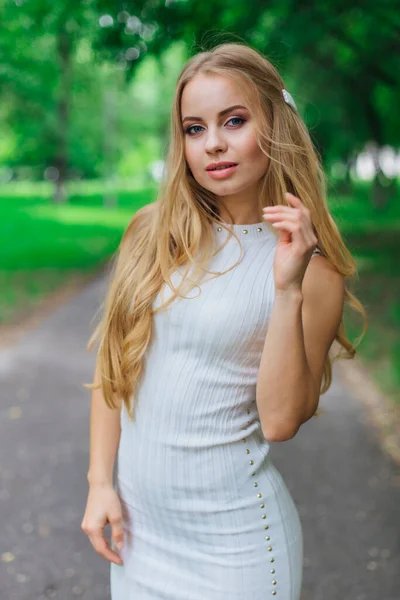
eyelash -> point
(190, 127)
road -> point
(346, 489)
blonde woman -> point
(213, 343)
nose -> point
(215, 141)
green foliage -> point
(44, 244)
(373, 239)
(95, 102)
(63, 75)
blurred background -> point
(85, 95)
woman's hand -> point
(103, 507)
(296, 243)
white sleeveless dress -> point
(207, 516)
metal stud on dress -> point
(263, 516)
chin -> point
(223, 188)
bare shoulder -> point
(321, 272)
(323, 292)
(322, 311)
(322, 278)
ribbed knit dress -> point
(206, 514)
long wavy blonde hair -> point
(176, 229)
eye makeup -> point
(187, 130)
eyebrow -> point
(220, 114)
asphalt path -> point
(346, 489)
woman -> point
(214, 342)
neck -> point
(237, 211)
(244, 218)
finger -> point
(294, 200)
(286, 212)
(277, 208)
(294, 215)
(305, 230)
(102, 547)
(117, 531)
(280, 216)
(294, 228)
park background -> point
(85, 96)
(85, 92)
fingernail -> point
(119, 545)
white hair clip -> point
(288, 98)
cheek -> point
(256, 158)
(253, 150)
(191, 157)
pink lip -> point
(221, 163)
(223, 173)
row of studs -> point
(243, 230)
(263, 516)
(315, 252)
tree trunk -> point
(383, 190)
(110, 199)
(382, 186)
(61, 163)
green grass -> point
(43, 245)
(372, 235)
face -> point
(230, 136)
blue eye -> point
(231, 119)
(236, 119)
(191, 127)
